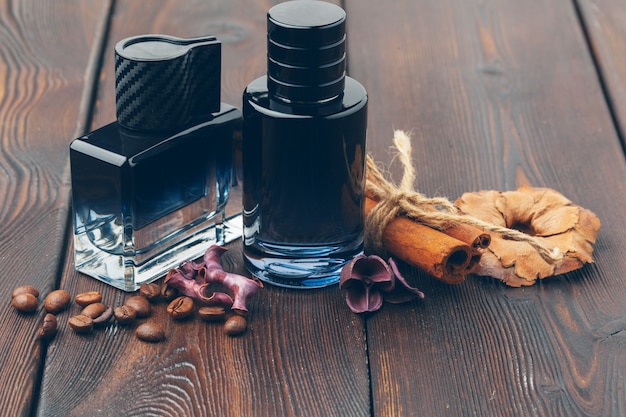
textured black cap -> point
(306, 52)
(164, 83)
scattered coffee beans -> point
(212, 313)
(104, 317)
(151, 291)
(93, 310)
(25, 289)
(81, 324)
(140, 304)
(57, 301)
(150, 332)
(48, 327)
(94, 313)
(181, 307)
(235, 325)
(125, 314)
(25, 302)
(85, 298)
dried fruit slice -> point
(541, 212)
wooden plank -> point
(604, 21)
(44, 59)
(497, 93)
(304, 353)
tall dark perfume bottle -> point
(304, 151)
(149, 190)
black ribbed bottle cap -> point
(306, 50)
(163, 82)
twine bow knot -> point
(435, 212)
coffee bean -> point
(212, 313)
(85, 298)
(125, 314)
(48, 327)
(235, 325)
(57, 301)
(151, 291)
(150, 332)
(140, 304)
(81, 324)
(29, 289)
(180, 307)
(93, 310)
(25, 303)
(104, 317)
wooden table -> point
(496, 93)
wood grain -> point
(603, 22)
(304, 352)
(44, 57)
(496, 94)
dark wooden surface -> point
(496, 93)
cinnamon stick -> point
(430, 250)
(474, 237)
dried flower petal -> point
(219, 299)
(364, 298)
(242, 288)
(176, 278)
(402, 291)
(194, 278)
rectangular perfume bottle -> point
(147, 198)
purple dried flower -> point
(369, 280)
(177, 278)
(364, 279)
(194, 278)
(241, 287)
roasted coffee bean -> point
(93, 310)
(151, 291)
(125, 314)
(212, 313)
(57, 301)
(48, 327)
(25, 302)
(85, 298)
(104, 317)
(150, 332)
(180, 307)
(140, 304)
(235, 325)
(28, 289)
(81, 324)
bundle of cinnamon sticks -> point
(449, 250)
(448, 255)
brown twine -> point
(435, 212)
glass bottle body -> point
(143, 203)
(303, 186)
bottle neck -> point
(310, 108)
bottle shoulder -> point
(256, 96)
(114, 142)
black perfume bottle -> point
(304, 139)
(149, 190)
